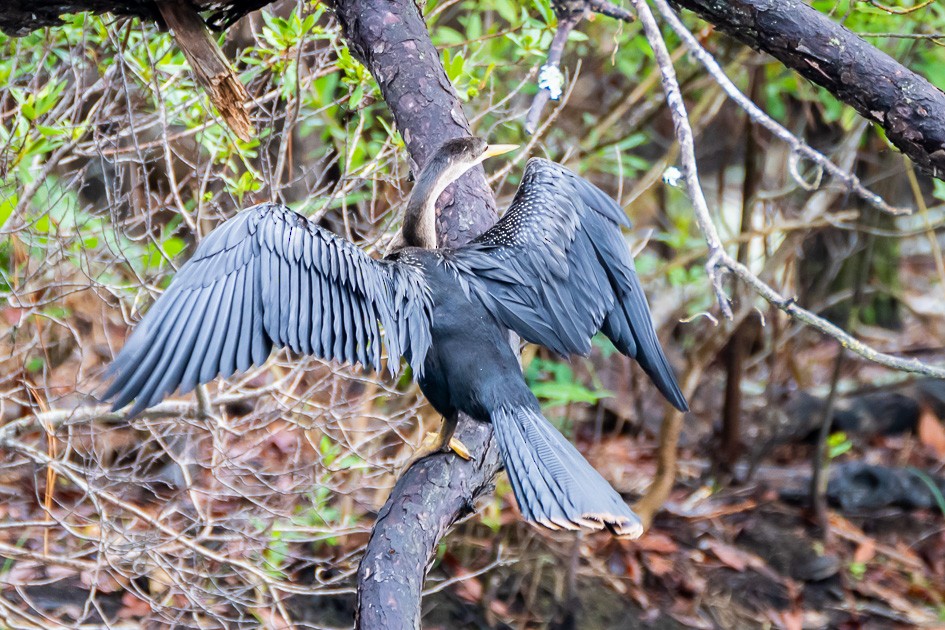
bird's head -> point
(454, 157)
(447, 164)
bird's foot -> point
(434, 443)
(438, 442)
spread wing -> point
(268, 278)
(556, 270)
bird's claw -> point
(460, 449)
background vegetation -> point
(252, 509)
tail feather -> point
(553, 484)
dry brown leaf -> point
(658, 564)
(11, 316)
(655, 542)
(865, 551)
(931, 432)
(133, 607)
(634, 570)
(787, 619)
(730, 556)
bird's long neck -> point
(419, 228)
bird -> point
(555, 269)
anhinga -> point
(555, 269)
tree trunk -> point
(391, 39)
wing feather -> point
(147, 345)
(268, 278)
(234, 327)
(556, 270)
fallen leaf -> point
(658, 565)
(865, 551)
(730, 556)
(634, 570)
(11, 315)
(931, 432)
(787, 619)
(133, 606)
(656, 542)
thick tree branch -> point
(209, 65)
(904, 104)
(19, 17)
(391, 39)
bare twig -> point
(758, 116)
(714, 267)
(719, 260)
(789, 306)
(550, 79)
(897, 10)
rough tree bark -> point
(906, 105)
(19, 17)
(390, 37)
(209, 65)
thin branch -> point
(11, 551)
(758, 116)
(550, 80)
(456, 579)
(789, 306)
(719, 261)
(897, 10)
(65, 470)
(687, 154)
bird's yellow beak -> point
(498, 149)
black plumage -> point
(555, 269)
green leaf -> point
(35, 364)
(838, 444)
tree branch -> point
(19, 17)
(687, 154)
(719, 260)
(904, 104)
(391, 39)
(550, 80)
(758, 116)
(209, 65)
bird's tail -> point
(553, 484)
